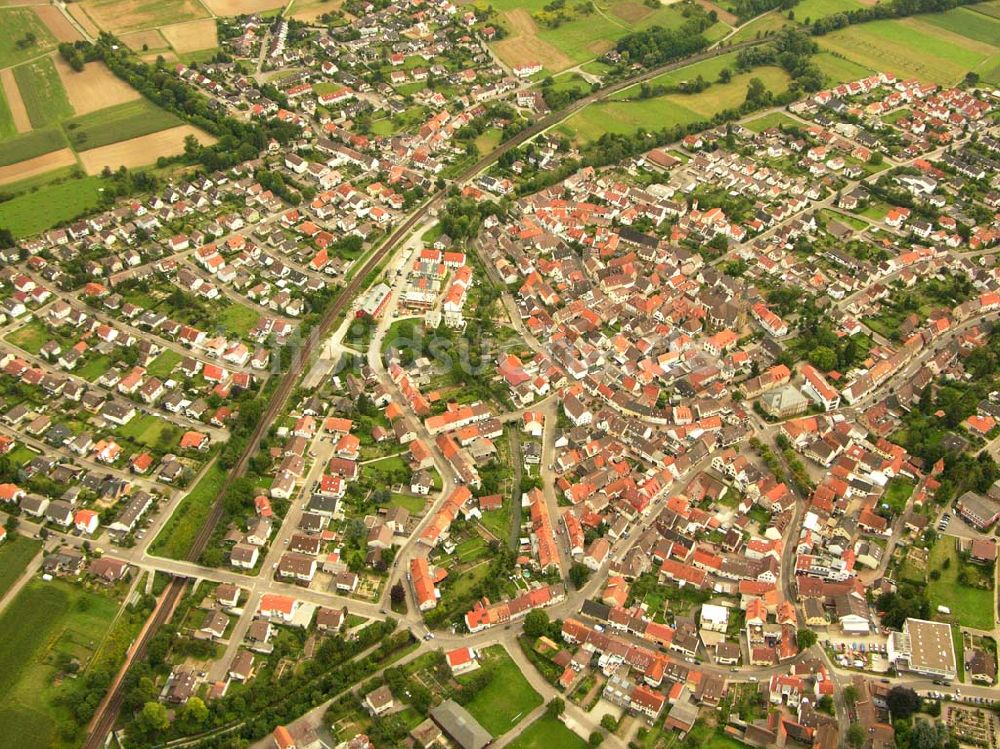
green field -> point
(235, 318)
(16, 24)
(972, 607)
(42, 92)
(759, 27)
(666, 111)
(919, 48)
(45, 622)
(507, 698)
(152, 431)
(31, 336)
(29, 145)
(14, 557)
(121, 122)
(175, 540)
(32, 212)
(547, 733)
(774, 119)
(707, 69)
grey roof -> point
(463, 729)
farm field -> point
(13, 115)
(35, 166)
(991, 8)
(57, 24)
(233, 7)
(141, 151)
(14, 557)
(546, 733)
(32, 212)
(667, 111)
(192, 35)
(179, 532)
(971, 606)
(507, 698)
(118, 123)
(16, 24)
(151, 39)
(582, 38)
(131, 15)
(916, 48)
(93, 88)
(839, 69)
(42, 92)
(810, 10)
(46, 622)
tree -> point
(195, 713)
(856, 736)
(850, 694)
(397, 594)
(596, 738)
(578, 575)
(757, 92)
(805, 638)
(152, 718)
(556, 707)
(536, 623)
(902, 702)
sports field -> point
(42, 92)
(922, 47)
(667, 111)
(121, 122)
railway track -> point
(107, 713)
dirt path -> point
(15, 103)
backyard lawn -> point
(971, 606)
(507, 698)
(14, 557)
(413, 505)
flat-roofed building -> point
(925, 648)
